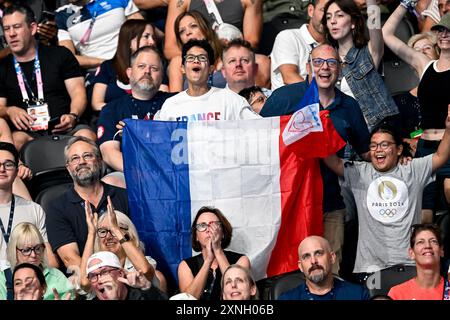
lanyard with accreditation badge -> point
(36, 108)
(23, 81)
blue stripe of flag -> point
(158, 189)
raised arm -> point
(416, 59)
(195, 285)
(91, 221)
(150, 4)
(253, 21)
(176, 7)
(442, 154)
(376, 44)
(336, 164)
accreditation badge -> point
(40, 115)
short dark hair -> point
(11, 149)
(238, 42)
(146, 49)
(247, 93)
(226, 228)
(384, 127)
(37, 270)
(198, 43)
(417, 228)
(23, 8)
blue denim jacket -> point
(367, 86)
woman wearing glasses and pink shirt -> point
(116, 233)
(26, 245)
(201, 275)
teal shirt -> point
(54, 279)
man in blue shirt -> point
(349, 122)
(146, 74)
(315, 260)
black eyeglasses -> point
(201, 227)
(87, 156)
(318, 62)
(262, 98)
(38, 250)
(193, 57)
(383, 145)
(93, 277)
(8, 165)
(103, 232)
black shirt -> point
(66, 219)
(212, 287)
(57, 64)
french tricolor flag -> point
(271, 193)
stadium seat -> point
(45, 157)
(46, 196)
(275, 286)
(381, 282)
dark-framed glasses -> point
(103, 232)
(383, 145)
(201, 227)
(331, 62)
(75, 159)
(8, 165)
(93, 277)
(193, 57)
(260, 99)
(38, 250)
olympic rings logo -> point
(388, 212)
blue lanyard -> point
(22, 80)
(11, 217)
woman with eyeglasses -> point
(388, 196)
(432, 92)
(344, 28)
(26, 245)
(201, 275)
(116, 233)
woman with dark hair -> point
(201, 275)
(112, 81)
(29, 282)
(388, 197)
(344, 28)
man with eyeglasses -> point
(388, 196)
(349, 122)
(66, 218)
(201, 102)
(14, 209)
(111, 282)
(145, 73)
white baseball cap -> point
(102, 259)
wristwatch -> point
(126, 237)
(77, 118)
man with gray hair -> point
(315, 260)
(66, 218)
(145, 74)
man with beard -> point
(145, 74)
(315, 260)
(66, 218)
